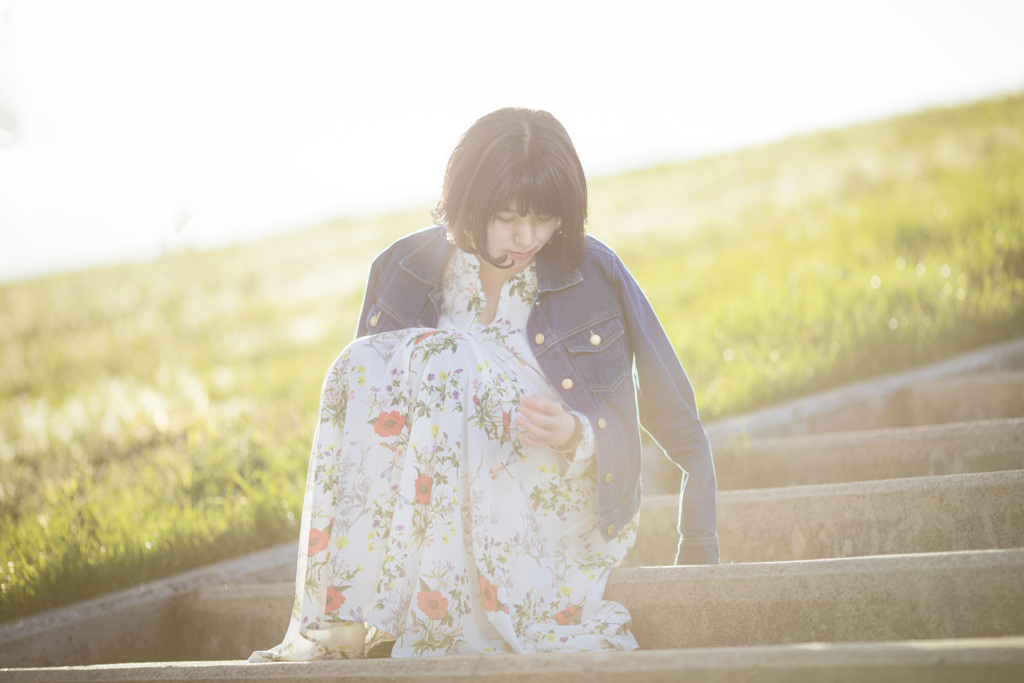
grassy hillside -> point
(157, 416)
(833, 257)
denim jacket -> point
(600, 344)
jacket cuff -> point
(698, 551)
(583, 457)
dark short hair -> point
(520, 156)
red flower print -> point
(318, 541)
(425, 335)
(334, 599)
(505, 422)
(389, 424)
(424, 485)
(433, 604)
(488, 595)
(565, 616)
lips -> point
(520, 255)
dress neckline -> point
(520, 279)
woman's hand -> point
(543, 422)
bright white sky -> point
(131, 127)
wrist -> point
(574, 438)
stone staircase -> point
(873, 531)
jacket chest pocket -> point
(600, 354)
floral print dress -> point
(426, 521)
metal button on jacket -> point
(602, 423)
(608, 478)
(374, 319)
(539, 338)
(595, 339)
(567, 384)
(611, 529)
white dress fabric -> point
(427, 521)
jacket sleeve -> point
(668, 411)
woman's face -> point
(511, 236)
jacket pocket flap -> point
(595, 337)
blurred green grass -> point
(157, 416)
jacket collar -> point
(427, 262)
(551, 274)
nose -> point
(524, 231)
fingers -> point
(541, 404)
(540, 420)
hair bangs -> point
(536, 191)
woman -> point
(475, 474)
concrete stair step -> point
(895, 597)
(981, 660)
(985, 395)
(133, 624)
(979, 446)
(880, 402)
(890, 597)
(914, 515)
(974, 396)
